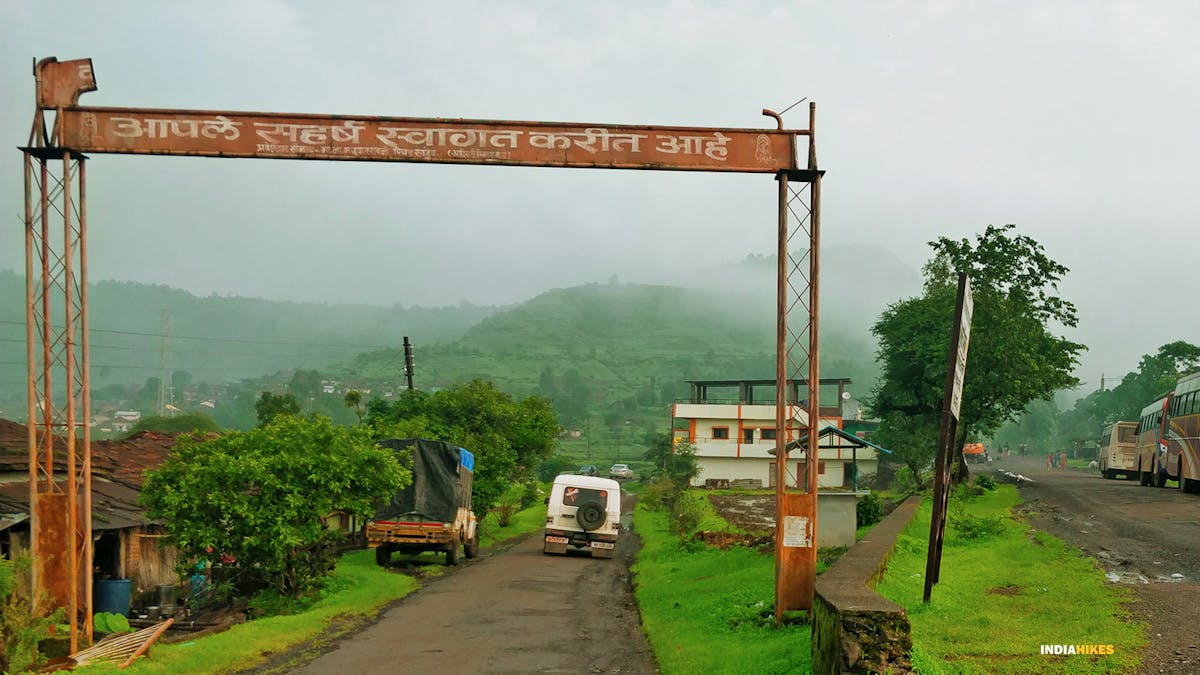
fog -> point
(1072, 120)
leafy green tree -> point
(305, 383)
(260, 496)
(1013, 358)
(1155, 375)
(913, 439)
(177, 424)
(510, 438)
(1036, 428)
(676, 461)
(180, 380)
(353, 400)
(269, 406)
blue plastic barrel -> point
(112, 595)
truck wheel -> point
(383, 556)
(472, 547)
(452, 554)
(590, 515)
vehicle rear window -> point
(577, 495)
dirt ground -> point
(513, 611)
(1148, 538)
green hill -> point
(593, 348)
(218, 338)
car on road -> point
(620, 471)
(583, 512)
(588, 470)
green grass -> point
(999, 599)
(356, 592)
(710, 611)
(522, 523)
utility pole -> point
(408, 362)
(164, 329)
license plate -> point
(558, 540)
(602, 544)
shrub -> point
(906, 482)
(985, 482)
(510, 503)
(659, 494)
(23, 625)
(554, 465)
(975, 528)
(685, 516)
(870, 509)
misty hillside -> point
(607, 343)
(220, 339)
(621, 340)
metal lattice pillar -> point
(797, 352)
(60, 485)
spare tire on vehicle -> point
(590, 515)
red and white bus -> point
(1183, 430)
(1152, 444)
(1167, 443)
(1118, 450)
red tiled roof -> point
(117, 474)
(122, 461)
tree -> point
(177, 424)
(305, 383)
(1013, 358)
(269, 406)
(913, 439)
(509, 438)
(260, 496)
(353, 400)
(1155, 375)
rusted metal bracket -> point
(60, 83)
(801, 175)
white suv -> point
(585, 512)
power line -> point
(202, 352)
(219, 339)
(128, 367)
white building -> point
(735, 434)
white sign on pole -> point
(796, 532)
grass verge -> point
(1004, 591)
(356, 592)
(522, 523)
(354, 595)
(710, 611)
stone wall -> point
(855, 630)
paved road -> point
(517, 611)
(1143, 536)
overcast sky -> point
(1076, 121)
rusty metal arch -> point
(56, 274)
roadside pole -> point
(956, 370)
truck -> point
(434, 512)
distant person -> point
(1062, 460)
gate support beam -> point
(797, 351)
(59, 404)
